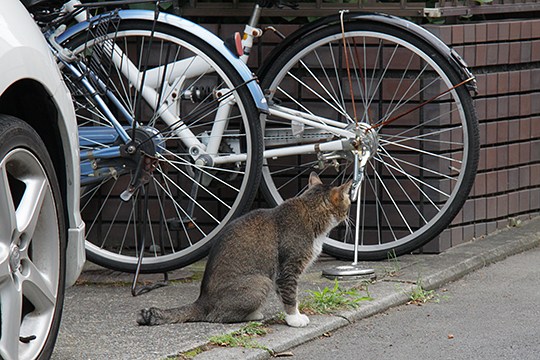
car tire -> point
(32, 244)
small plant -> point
(189, 354)
(514, 222)
(243, 337)
(329, 299)
(279, 318)
(420, 296)
(253, 328)
(395, 267)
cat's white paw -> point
(297, 320)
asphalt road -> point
(493, 313)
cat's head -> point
(337, 197)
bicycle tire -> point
(188, 205)
(424, 162)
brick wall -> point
(505, 57)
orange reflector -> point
(238, 43)
(234, 44)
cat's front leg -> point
(287, 289)
(295, 319)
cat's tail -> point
(155, 316)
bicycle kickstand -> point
(142, 236)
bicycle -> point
(364, 96)
(137, 181)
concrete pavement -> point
(99, 313)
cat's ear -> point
(346, 188)
(314, 179)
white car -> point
(41, 231)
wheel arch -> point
(42, 115)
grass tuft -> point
(243, 337)
(420, 296)
(328, 300)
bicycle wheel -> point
(422, 133)
(180, 206)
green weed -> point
(190, 354)
(243, 337)
(395, 267)
(329, 299)
(420, 296)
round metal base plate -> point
(349, 272)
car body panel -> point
(24, 54)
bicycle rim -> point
(181, 207)
(425, 148)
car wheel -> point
(32, 244)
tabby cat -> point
(264, 249)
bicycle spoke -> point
(380, 209)
(311, 90)
(179, 209)
(413, 149)
(396, 160)
(204, 169)
(325, 90)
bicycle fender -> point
(456, 61)
(203, 34)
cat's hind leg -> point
(151, 317)
(242, 300)
(257, 315)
